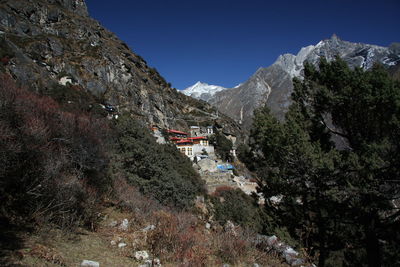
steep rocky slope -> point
(273, 85)
(50, 43)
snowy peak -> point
(203, 91)
(272, 86)
(355, 54)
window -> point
(190, 151)
(183, 150)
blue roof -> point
(225, 167)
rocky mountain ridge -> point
(47, 44)
(273, 85)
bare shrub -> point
(177, 238)
(54, 162)
(232, 248)
(131, 199)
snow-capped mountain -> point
(202, 91)
(273, 85)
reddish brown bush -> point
(177, 238)
(53, 161)
(131, 199)
(232, 248)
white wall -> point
(197, 150)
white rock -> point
(113, 243)
(229, 227)
(208, 225)
(156, 262)
(121, 245)
(65, 80)
(149, 228)
(124, 225)
(88, 263)
(291, 251)
(141, 255)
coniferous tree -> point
(335, 162)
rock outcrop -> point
(49, 43)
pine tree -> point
(335, 160)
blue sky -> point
(224, 42)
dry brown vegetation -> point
(178, 239)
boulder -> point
(229, 227)
(124, 225)
(156, 262)
(121, 245)
(141, 255)
(149, 228)
(88, 263)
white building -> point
(201, 131)
(195, 146)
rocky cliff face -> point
(45, 43)
(273, 85)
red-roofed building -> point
(190, 146)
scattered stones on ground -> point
(292, 257)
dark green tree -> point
(234, 205)
(160, 171)
(223, 145)
(335, 161)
